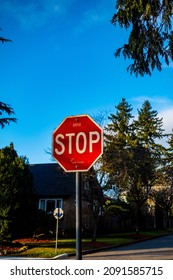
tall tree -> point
(17, 199)
(141, 178)
(93, 194)
(150, 40)
(149, 131)
(131, 156)
(149, 127)
(117, 136)
(164, 196)
(163, 199)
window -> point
(49, 205)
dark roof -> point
(51, 180)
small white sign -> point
(58, 213)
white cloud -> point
(156, 100)
(167, 115)
(163, 105)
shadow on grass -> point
(46, 248)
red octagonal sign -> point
(77, 143)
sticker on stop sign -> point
(77, 143)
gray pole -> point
(56, 235)
(78, 217)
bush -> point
(45, 225)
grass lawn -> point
(65, 246)
(46, 248)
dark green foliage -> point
(93, 194)
(150, 41)
(148, 126)
(116, 210)
(169, 155)
(121, 210)
(132, 158)
(163, 199)
(17, 200)
(117, 136)
(45, 224)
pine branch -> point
(4, 40)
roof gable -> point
(50, 180)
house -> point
(55, 189)
(53, 186)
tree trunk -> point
(138, 220)
(94, 233)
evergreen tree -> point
(142, 175)
(149, 127)
(149, 130)
(170, 173)
(150, 41)
(17, 199)
(164, 197)
(169, 155)
(131, 157)
(117, 136)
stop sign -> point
(77, 143)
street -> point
(155, 249)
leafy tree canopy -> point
(132, 158)
(17, 199)
(150, 41)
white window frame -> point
(60, 200)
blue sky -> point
(61, 63)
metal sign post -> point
(77, 143)
(78, 217)
(56, 243)
(58, 214)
